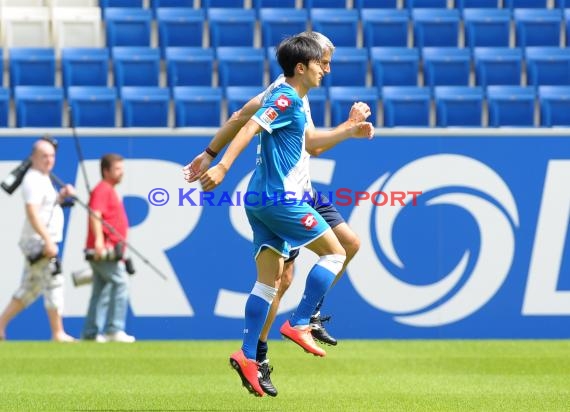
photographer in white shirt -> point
(43, 229)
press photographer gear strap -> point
(60, 182)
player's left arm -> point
(215, 175)
(318, 141)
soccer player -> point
(279, 226)
(317, 141)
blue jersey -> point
(282, 162)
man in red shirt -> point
(109, 295)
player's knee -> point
(351, 246)
(333, 262)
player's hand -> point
(197, 167)
(363, 130)
(213, 177)
(359, 112)
(50, 249)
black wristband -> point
(211, 152)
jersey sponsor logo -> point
(309, 221)
(269, 115)
(282, 102)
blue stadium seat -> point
(197, 106)
(38, 106)
(240, 66)
(261, 4)
(4, 106)
(92, 106)
(525, 4)
(487, 27)
(435, 27)
(136, 66)
(235, 4)
(476, 4)
(84, 66)
(547, 66)
(375, 4)
(406, 106)
(535, 27)
(567, 25)
(511, 106)
(342, 98)
(179, 27)
(237, 96)
(554, 105)
(157, 4)
(32, 67)
(318, 104)
(561, 4)
(340, 25)
(274, 69)
(384, 27)
(497, 66)
(278, 23)
(446, 66)
(394, 66)
(145, 106)
(121, 3)
(350, 67)
(189, 66)
(458, 106)
(231, 27)
(425, 4)
(128, 26)
(319, 4)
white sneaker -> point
(100, 339)
(120, 336)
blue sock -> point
(256, 310)
(318, 308)
(318, 282)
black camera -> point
(129, 266)
(110, 254)
(54, 262)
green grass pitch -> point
(380, 375)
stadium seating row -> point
(42, 106)
(308, 4)
(83, 27)
(236, 66)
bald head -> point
(43, 156)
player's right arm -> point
(201, 163)
(215, 175)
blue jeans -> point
(107, 311)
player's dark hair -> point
(297, 49)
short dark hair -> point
(108, 160)
(297, 49)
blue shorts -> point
(327, 210)
(284, 227)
